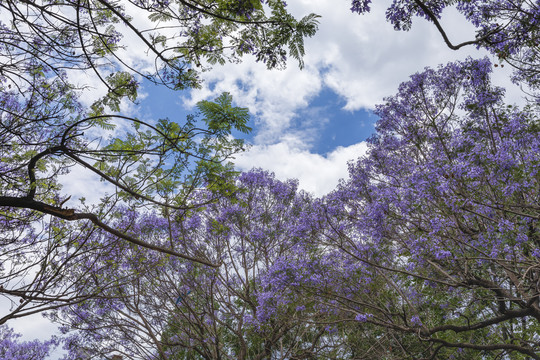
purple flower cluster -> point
(360, 6)
(13, 349)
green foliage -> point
(169, 160)
(221, 117)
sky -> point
(307, 124)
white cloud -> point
(316, 173)
(83, 183)
(34, 327)
(272, 96)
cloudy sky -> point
(308, 123)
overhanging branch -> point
(72, 215)
(439, 27)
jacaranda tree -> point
(176, 309)
(11, 348)
(432, 246)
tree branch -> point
(439, 27)
(72, 215)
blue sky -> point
(336, 125)
(314, 131)
(325, 122)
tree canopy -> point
(430, 250)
